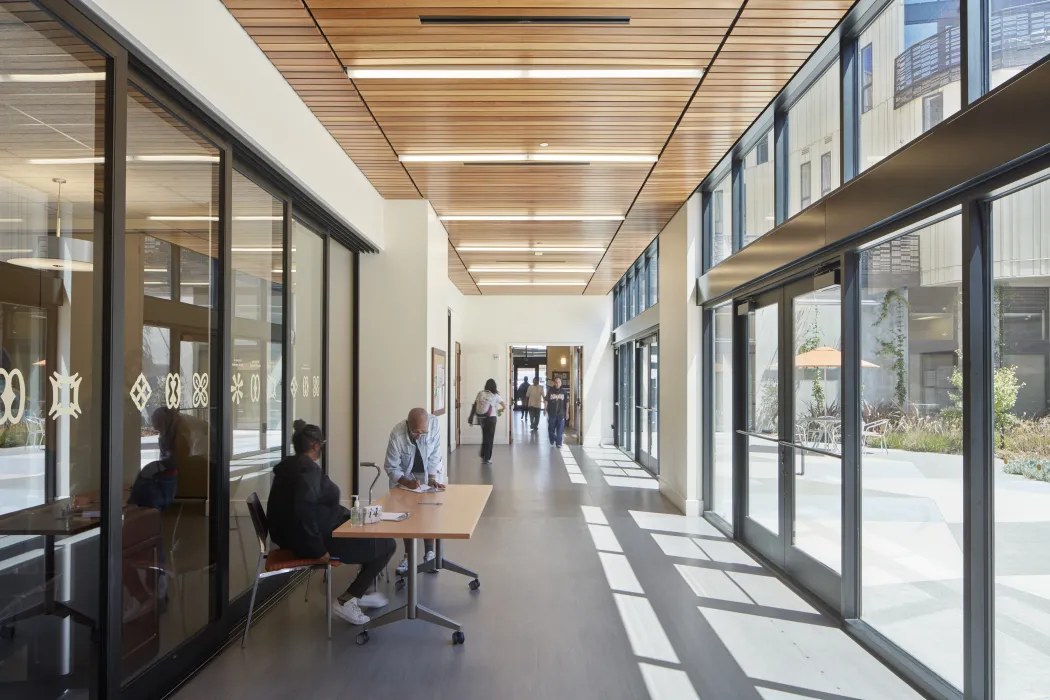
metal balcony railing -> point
(927, 66)
(1019, 36)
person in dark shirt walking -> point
(303, 509)
(557, 398)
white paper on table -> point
(421, 489)
(393, 516)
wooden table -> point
(450, 514)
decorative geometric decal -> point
(306, 386)
(294, 387)
(317, 386)
(255, 388)
(140, 392)
(8, 396)
(200, 389)
(236, 393)
(272, 384)
(64, 383)
(173, 390)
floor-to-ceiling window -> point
(1021, 432)
(763, 415)
(1018, 36)
(721, 360)
(257, 262)
(52, 190)
(721, 218)
(171, 393)
(911, 462)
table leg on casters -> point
(440, 562)
(328, 596)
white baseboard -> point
(692, 507)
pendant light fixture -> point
(57, 253)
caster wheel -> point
(400, 584)
(363, 638)
(475, 585)
(458, 638)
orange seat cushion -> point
(286, 559)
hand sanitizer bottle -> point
(356, 514)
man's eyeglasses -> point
(418, 433)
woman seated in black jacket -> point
(303, 510)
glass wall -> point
(910, 68)
(51, 277)
(1021, 430)
(763, 413)
(639, 288)
(257, 382)
(307, 322)
(758, 187)
(722, 220)
(911, 465)
(170, 411)
(722, 412)
(814, 134)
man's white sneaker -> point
(429, 557)
(351, 612)
(372, 600)
(402, 568)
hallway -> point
(593, 587)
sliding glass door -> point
(793, 431)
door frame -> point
(779, 548)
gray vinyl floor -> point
(589, 590)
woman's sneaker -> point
(351, 612)
(402, 568)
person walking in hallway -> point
(521, 398)
(557, 398)
(303, 509)
(534, 400)
(487, 406)
(414, 456)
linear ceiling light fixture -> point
(538, 73)
(182, 218)
(508, 283)
(526, 217)
(525, 19)
(527, 270)
(526, 157)
(79, 77)
(539, 250)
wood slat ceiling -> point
(750, 48)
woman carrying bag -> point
(488, 406)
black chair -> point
(282, 561)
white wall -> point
(437, 306)
(201, 42)
(492, 323)
(680, 359)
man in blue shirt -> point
(413, 457)
(557, 397)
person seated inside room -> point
(303, 510)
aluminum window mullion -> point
(781, 176)
(850, 401)
(849, 114)
(978, 455)
(974, 47)
(222, 369)
(737, 203)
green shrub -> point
(925, 434)
(1026, 439)
(1035, 469)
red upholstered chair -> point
(281, 561)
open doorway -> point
(532, 365)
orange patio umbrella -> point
(825, 357)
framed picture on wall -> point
(438, 386)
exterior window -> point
(825, 174)
(721, 221)
(1021, 425)
(805, 184)
(758, 189)
(631, 301)
(813, 124)
(1019, 34)
(911, 399)
(920, 56)
(307, 276)
(932, 111)
(654, 277)
(867, 79)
